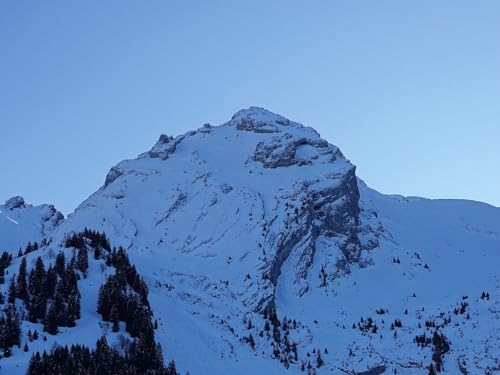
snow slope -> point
(21, 223)
(448, 252)
(232, 223)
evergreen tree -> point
(10, 330)
(51, 282)
(102, 357)
(5, 260)
(29, 248)
(57, 314)
(114, 317)
(60, 266)
(145, 353)
(73, 308)
(82, 260)
(12, 291)
(171, 370)
(319, 360)
(22, 286)
(69, 282)
(35, 365)
(38, 294)
(50, 325)
(97, 253)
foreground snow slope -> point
(233, 223)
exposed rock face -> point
(112, 175)
(285, 150)
(374, 371)
(163, 148)
(331, 211)
(166, 145)
(258, 120)
(51, 219)
(15, 202)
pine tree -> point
(251, 341)
(82, 261)
(29, 248)
(60, 263)
(5, 260)
(101, 356)
(35, 365)
(267, 328)
(61, 314)
(145, 353)
(69, 282)
(114, 317)
(51, 282)
(12, 291)
(319, 360)
(10, 330)
(171, 370)
(50, 325)
(97, 252)
(73, 309)
(38, 295)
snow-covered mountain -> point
(263, 252)
(21, 223)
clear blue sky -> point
(410, 91)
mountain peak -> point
(259, 114)
(260, 120)
(15, 202)
(200, 195)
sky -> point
(409, 90)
